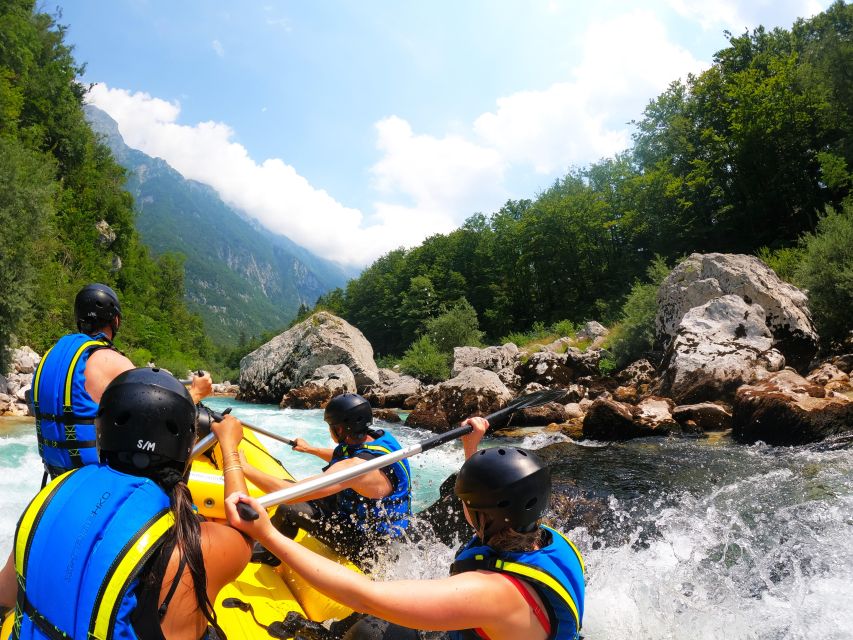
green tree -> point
(456, 326)
(826, 272)
(425, 361)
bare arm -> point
(470, 441)
(373, 484)
(102, 367)
(230, 432)
(8, 582)
(304, 447)
(472, 599)
(262, 480)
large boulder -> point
(289, 359)
(718, 347)
(787, 409)
(488, 358)
(702, 278)
(708, 416)
(546, 368)
(24, 360)
(325, 383)
(592, 330)
(474, 391)
(607, 419)
(393, 389)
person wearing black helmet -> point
(115, 549)
(516, 578)
(358, 516)
(73, 374)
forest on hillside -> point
(65, 216)
(751, 156)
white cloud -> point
(425, 184)
(737, 15)
(218, 48)
(272, 191)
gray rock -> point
(592, 330)
(583, 363)
(546, 368)
(708, 416)
(393, 391)
(488, 358)
(288, 360)
(24, 360)
(474, 391)
(106, 235)
(718, 347)
(21, 394)
(637, 373)
(705, 277)
(787, 409)
(336, 377)
(608, 419)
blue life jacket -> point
(64, 411)
(79, 547)
(554, 571)
(388, 515)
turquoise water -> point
(687, 539)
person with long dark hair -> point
(515, 578)
(116, 549)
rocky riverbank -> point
(736, 350)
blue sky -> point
(357, 127)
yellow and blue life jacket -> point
(79, 547)
(388, 515)
(65, 412)
(555, 572)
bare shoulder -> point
(101, 368)
(109, 359)
(226, 552)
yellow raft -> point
(272, 592)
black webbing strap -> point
(44, 625)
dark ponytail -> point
(185, 536)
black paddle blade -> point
(535, 399)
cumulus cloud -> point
(425, 184)
(626, 61)
(271, 191)
(218, 48)
(737, 15)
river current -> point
(684, 538)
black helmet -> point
(503, 487)
(351, 412)
(146, 420)
(96, 306)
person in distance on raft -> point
(514, 579)
(116, 549)
(72, 376)
(357, 516)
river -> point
(688, 538)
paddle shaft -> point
(311, 485)
(210, 439)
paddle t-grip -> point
(246, 512)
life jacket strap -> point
(25, 607)
(65, 418)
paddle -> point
(310, 485)
(206, 416)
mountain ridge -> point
(242, 279)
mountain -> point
(241, 278)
